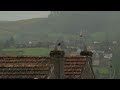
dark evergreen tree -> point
(12, 41)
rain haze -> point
(76, 35)
(21, 15)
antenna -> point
(112, 71)
(82, 39)
(59, 45)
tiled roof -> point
(24, 67)
(38, 67)
(74, 67)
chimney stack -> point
(57, 58)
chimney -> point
(57, 58)
(88, 55)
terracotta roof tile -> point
(74, 66)
(38, 67)
(24, 67)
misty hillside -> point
(23, 29)
(63, 25)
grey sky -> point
(20, 15)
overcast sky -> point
(20, 15)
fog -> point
(20, 15)
(36, 33)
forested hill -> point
(63, 25)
